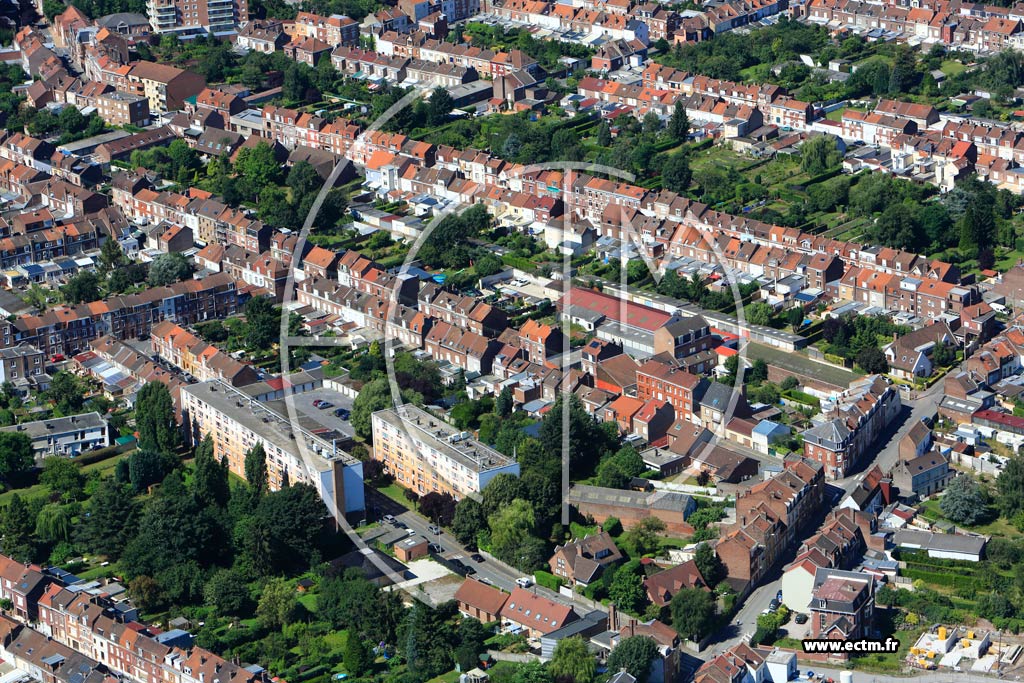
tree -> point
(81, 287)
(112, 519)
(819, 154)
(210, 480)
(693, 613)
(588, 440)
(795, 317)
(375, 395)
(278, 606)
(54, 523)
(439, 107)
(262, 323)
(572, 661)
(167, 269)
(675, 173)
(709, 564)
(627, 588)
(146, 468)
(615, 471)
(472, 638)
(358, 658)
(17, 526)
(155, 419)
(503, 403)
(1009, 485)
(644, 536)
(758, 313)
(468, 521)
(62, 477)
(66, 392)
(303, 180)
(259, 167)
(111, 256)
(227, 592)
(964, 501)
(511, 528)
(634, 656)
(256, 470)
(604, 134)
(16, 455)
(679, 123)
(872, 360)
(439, 507)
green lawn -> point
(951, 67)
(104, 467)
(999, 526)
(397, 494)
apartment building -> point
(21, 362)
(296, 450)
(842, 604)
(68, 436)
(199, 359)
(123, 109)
(426, 454)
(194, 17)
(165, 86)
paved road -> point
(925, 405)
(745, 622)
(497, 573)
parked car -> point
(436, 549)
(524, 582)
(317, 403)
(390, 519)
(476, 557)
(434, 529)
(800, 618)
(324, 405)
(342, 413)
(773, 605)
(778, 597)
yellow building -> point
(424, 453)
(237, 422)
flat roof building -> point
(424, 453)
(237, 422)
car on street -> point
(810, 675)
(434, 529)
(436, 549)
(524, 582)
(778, 597)
(773, 605)
(476, 557)
(390, 519)
(800, 618)
(411, 532)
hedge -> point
(943, 579)
(547, 580)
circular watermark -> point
(574, 212)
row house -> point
(764, 527)
(487, 63)
(68, 330)
(201, 360)
(27, 151)
(262, 35)
(464, 312)
(469, 351)
(853, 422)
(875, 128)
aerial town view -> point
(511, 341)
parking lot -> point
(325, 416)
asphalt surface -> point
(744, 623)
(493, 571)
